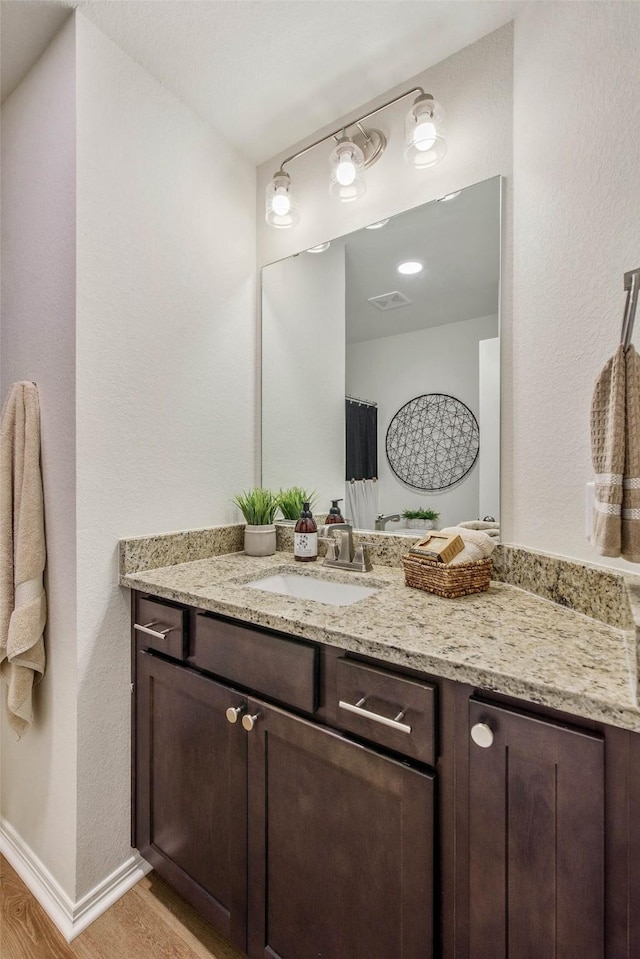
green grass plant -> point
(293, 499)
(421, 514)
(258, 506)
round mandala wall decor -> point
(432, 441)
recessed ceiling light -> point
(409, 267)
(320, 248)
(378, 225)
(449, 196)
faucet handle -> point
(332, 548)
(362, 559)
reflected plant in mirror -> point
(384, 349)
(293, 499)
(421, 518)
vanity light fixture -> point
(320, 248)
(357, 148)
(346, 163)
(424, 144)
(410, 267)
(280, 202)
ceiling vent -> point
(389, 301)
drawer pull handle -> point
(156, 633)
(234, 712)
(482, 735)
(248, 722)
(367, 714)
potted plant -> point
(259, 507)
(292, 500)
(421, 518)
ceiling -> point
(458, 241)
(265, 73)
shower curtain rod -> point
(356, 399)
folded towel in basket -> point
(477, 544)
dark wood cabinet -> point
(303, 830)
(340, 846)
(191, 809)
(332, 840)
(536, 838)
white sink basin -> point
(307, 587)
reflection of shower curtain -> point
(361, 503)
(362, 440)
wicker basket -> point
(446, 580)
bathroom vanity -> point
(315, 787)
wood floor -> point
(149, 922)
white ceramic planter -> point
(260, 540)
(421, 524)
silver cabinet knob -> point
(248, 722)
(233, 713)
(482, 735)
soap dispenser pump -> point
(335, 516)
(305, 537)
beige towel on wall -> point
(608, 425)
(631, 478)
(22, 553)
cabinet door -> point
(340, 847)
(191, 790)
(536, 834)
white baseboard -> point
(71, 918)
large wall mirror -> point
(382, 387)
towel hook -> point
(631, 285)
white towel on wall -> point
(22, 554)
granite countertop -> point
(506, 640)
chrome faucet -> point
(340, 548)
(382, 520)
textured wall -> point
(576, 230)
(165, 377)
(37, 342)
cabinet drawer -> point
(388, 709)
(161, 627)
(281, 669)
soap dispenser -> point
(305, 537)
(335, 516)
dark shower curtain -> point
(362, 441)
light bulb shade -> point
(346, 163)
(424, 145)
(281, 209)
